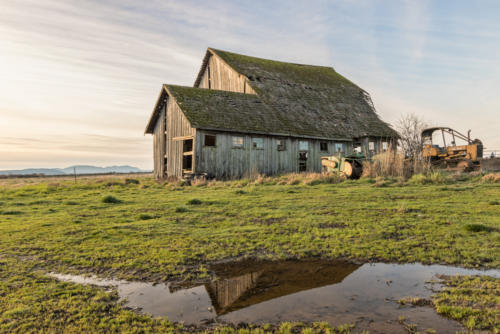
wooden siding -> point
(227, 162)
(177, 126)
(159, 146)
(218, 75)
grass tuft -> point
(131, 181)
(181, 209)
(477, 228)
(194, 201)
(12, 212)
(109, 199)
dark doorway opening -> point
(187, 163)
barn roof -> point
(292, 99)
(226, 111)
(310, 100)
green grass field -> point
(142, 230)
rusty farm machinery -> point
(463, 157)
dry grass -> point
(59, 180)
(393, 164)
(310, 178)
(491, 178)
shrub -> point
(181, 209)
(145, 216)
(477, 228)
(111, 200)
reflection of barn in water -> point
(244, 284)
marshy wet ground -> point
(314, 290)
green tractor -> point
(350, 166)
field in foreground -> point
(138, 229)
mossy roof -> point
(223, 110)
(310, 100)
(292, 99)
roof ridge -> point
(267, 59)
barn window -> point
(323, 146)
(237, 141)
(385, 145)
(258, 143)
(210, 140)
(339, 147)
(187, 145)
(371, 146)
(281, 145)
(303, 145)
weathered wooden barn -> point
(251, 115)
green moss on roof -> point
(259, 68)
(292, 99)
(310, 100)
(216, 109)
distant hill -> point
(80, 169)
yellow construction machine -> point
(465, 158)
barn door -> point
(303, 155)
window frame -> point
(337, 145)
(255, 140)
(236, 145)
(282, 143)
(323, 146)
(205, 140)
(306, 144)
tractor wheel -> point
(348, 169)
(353, 169)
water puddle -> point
(313, 290)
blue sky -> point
(80, 78)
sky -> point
(79, 79)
